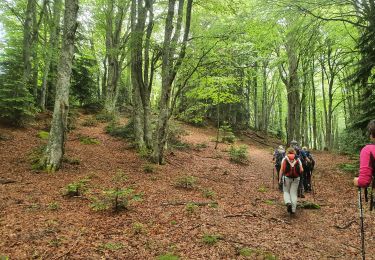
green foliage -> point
(76, 188)
(246, 252)
(226, 133)
(116, 199)
(168, 256)
(88, 140)
(185, 182)
(149, 168)
(239, 154)
(111, 246)
(125, 132)
(89, 122)
(210, 239)
(36, 158)
(350, 167)
(209, 194)
(308, 205)
(53, 206)
(138, 228)
(194, 114)
(72, 119)
(3, 257)
(262, 189)
(105, 117)
(351, 141)
(175, 133)
(191, 207)
(43, 135)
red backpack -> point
(292, 168)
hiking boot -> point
(289, 208)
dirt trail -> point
(249, 214)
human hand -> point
(355, 181)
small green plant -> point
(213, 205)
(210, 239)
(168, 256)
(43, 135)
(36, 158)
(201, 146)
(89, 122)
(185, 182)
(148, 168)
(111, 246)
(88, 140)
(116, 199)
(138, 228)
(71, 161)
(173, 222)
(105, 117)
(144, 152)
(246, 252)
(53, 206)
(120, 176)
(191, 207)
(226, 133)
(239, 154)
(262, 189)
(269, 202)
(4, 257)
(209, 194)
(76, 188)
(55, 242)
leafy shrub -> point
(210, 239)
(93, 107)
(90, 122)
(191, 208)
(226, 133)
(105, 117)
(168, 256)
(125, 131)
(148, 168)
(262, 189)
(185, 182)
(350, 167)
(194, 114)
(116, 199)
(351, 141)
(88, 140)
(246, 252)
(138, 228)
(200, 146)
(36, 158)
(76, 188)
(209, 194)
(239, 154)
(43, 135)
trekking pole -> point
(361, 223)
(273, 178)
(312, 185)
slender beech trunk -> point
(28, 42)
(55, 148)
(51, 48)
(169, 70)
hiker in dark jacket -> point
(308, 163)
(278, 156)
(367, 160)
(291, 169)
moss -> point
(43, 135)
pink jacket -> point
(366, 165)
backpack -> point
(292, 169)
(279, 157)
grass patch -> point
(262, 189)
(112, 246)
(191, 208)
(36, 158)
(209, 194)
(90, 122)
(124, 132)
(149, 168)
(88, 140)
(53, 206)
(185, 182)
(138, 228)
(105, 117)
(43, 135)
(210, 239)
(269, 202)
(349, 167)
(168, 256)
(246, 252)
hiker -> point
(294, 145)
(278, 156)
(290, 172)
(308, 164)
(367, 160)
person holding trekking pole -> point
(290, 172)
(366, 175)
(278, 156)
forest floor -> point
(249, 220)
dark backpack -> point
(279, 157)
(292, 168)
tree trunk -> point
(169, 71)
(51, 47)
(28, 42)
(55, 148)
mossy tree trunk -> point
(55, 148)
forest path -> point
(249, 214)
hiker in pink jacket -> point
(367, 160)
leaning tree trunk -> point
(55, 148)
